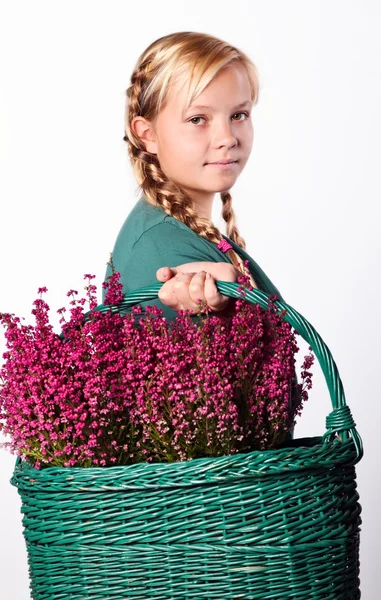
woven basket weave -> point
(267, 525)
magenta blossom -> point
(109, 392)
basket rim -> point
(316, 454)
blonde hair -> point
(193, 59)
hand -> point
(184, 287)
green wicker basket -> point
(267, 525)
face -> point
(216, 127)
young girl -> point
(189, 135)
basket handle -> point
(340, 419)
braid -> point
(155, 185)
(229, 216)
(232, 230)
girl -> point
(189, 135)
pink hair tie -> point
(224, 245)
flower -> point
(106, 391)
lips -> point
(222, 162)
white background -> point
(307, 203)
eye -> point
(237, 113)
(242, 113)
(190, 120)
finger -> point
(168, 293)
(181, 284)
(196, 288)
(168, 296)
(216, 301)
(165, 273)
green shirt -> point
(150, 239)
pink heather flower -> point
(106, 391)
(114, 294)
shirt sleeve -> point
(164, 244)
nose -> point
(223, 134)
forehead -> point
(233, 81)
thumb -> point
(166, 273)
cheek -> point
(249, 136)
(177, 158)
(252, 135)
(191, 142)
(175, 146)
(186, 151)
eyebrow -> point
(203, 106)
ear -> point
(145, 131)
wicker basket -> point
(267, 525)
